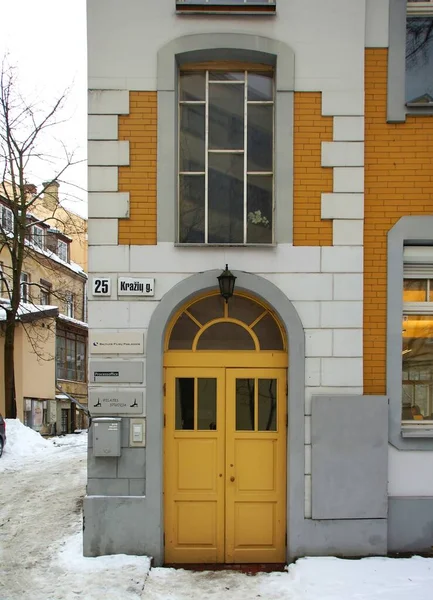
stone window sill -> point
(417, 431)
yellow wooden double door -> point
(225, 465)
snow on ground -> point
(42, 483)
(307, 579)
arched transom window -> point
(211, 324)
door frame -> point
(300, 531)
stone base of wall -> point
(410, 524)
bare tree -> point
(24, 127)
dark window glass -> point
(245, 405)
(192, 86)
(244, 309)
(226, 116)
(417, 367)
(225, 336)
(259, 209)
(207, 404)
(226, 204)
(184, 413)
(183, 334)
(267, 404)
(192, 119)
(260, 87)
(226, 76)
(269, 334)
(260, 134)
(208, 309)
(419, 59)
(191, 209)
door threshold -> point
(247, 568)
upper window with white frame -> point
(226, 156)
(419, 53)
(417, 345)
(236, 6)
(62, 250)
(6, 219)
(38, 236)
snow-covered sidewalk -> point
(307, 579)
(42, 483)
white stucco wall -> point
(410, 473)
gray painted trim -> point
(408, 230)
(224, 46)
(396, 95)
(396, 109)
(410, 524)
(175, 298)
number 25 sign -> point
(101, 286)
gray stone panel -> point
(410, 524)
(108, 487)
(100, 467)
(349, 457)
(132, 463)
(115, 525)
(137, 487)
(347, 538)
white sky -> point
(46, 41)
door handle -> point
(232, 478)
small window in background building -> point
(417, 349)
(45, 297)
(236, 6)
(6, 219)
(419, 53)
(62, 250)
(69, 305)
(38, 236)
(25, 279)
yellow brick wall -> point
(310, 178)
(139, 178)
(398, 182)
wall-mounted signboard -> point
(115, 402)
(131, 342)
(101, 286)
(116, 371)
(135, 286)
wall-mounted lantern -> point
(226, 282)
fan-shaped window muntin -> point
(210, 324)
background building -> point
(291, 140)
(51, 339)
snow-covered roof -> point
(28, 310)
(63, 317)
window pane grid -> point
(256, 222)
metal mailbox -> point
(106, 436)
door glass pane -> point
(269, 334)
(192, 86)
(259, 209)
(244, 309)
(183, 334)
(415, 290)
(208, 309)
(207, 405)
(192, 137)
(225, 336)
(260, 86)
(226, 198)
(184, 414)
(267, 404)
(245, 405)
(191, 209)
(260, 127)
(226, 117)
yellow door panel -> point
(194, 465)
(255, 525)
(225, 465)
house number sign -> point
(101, 286)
